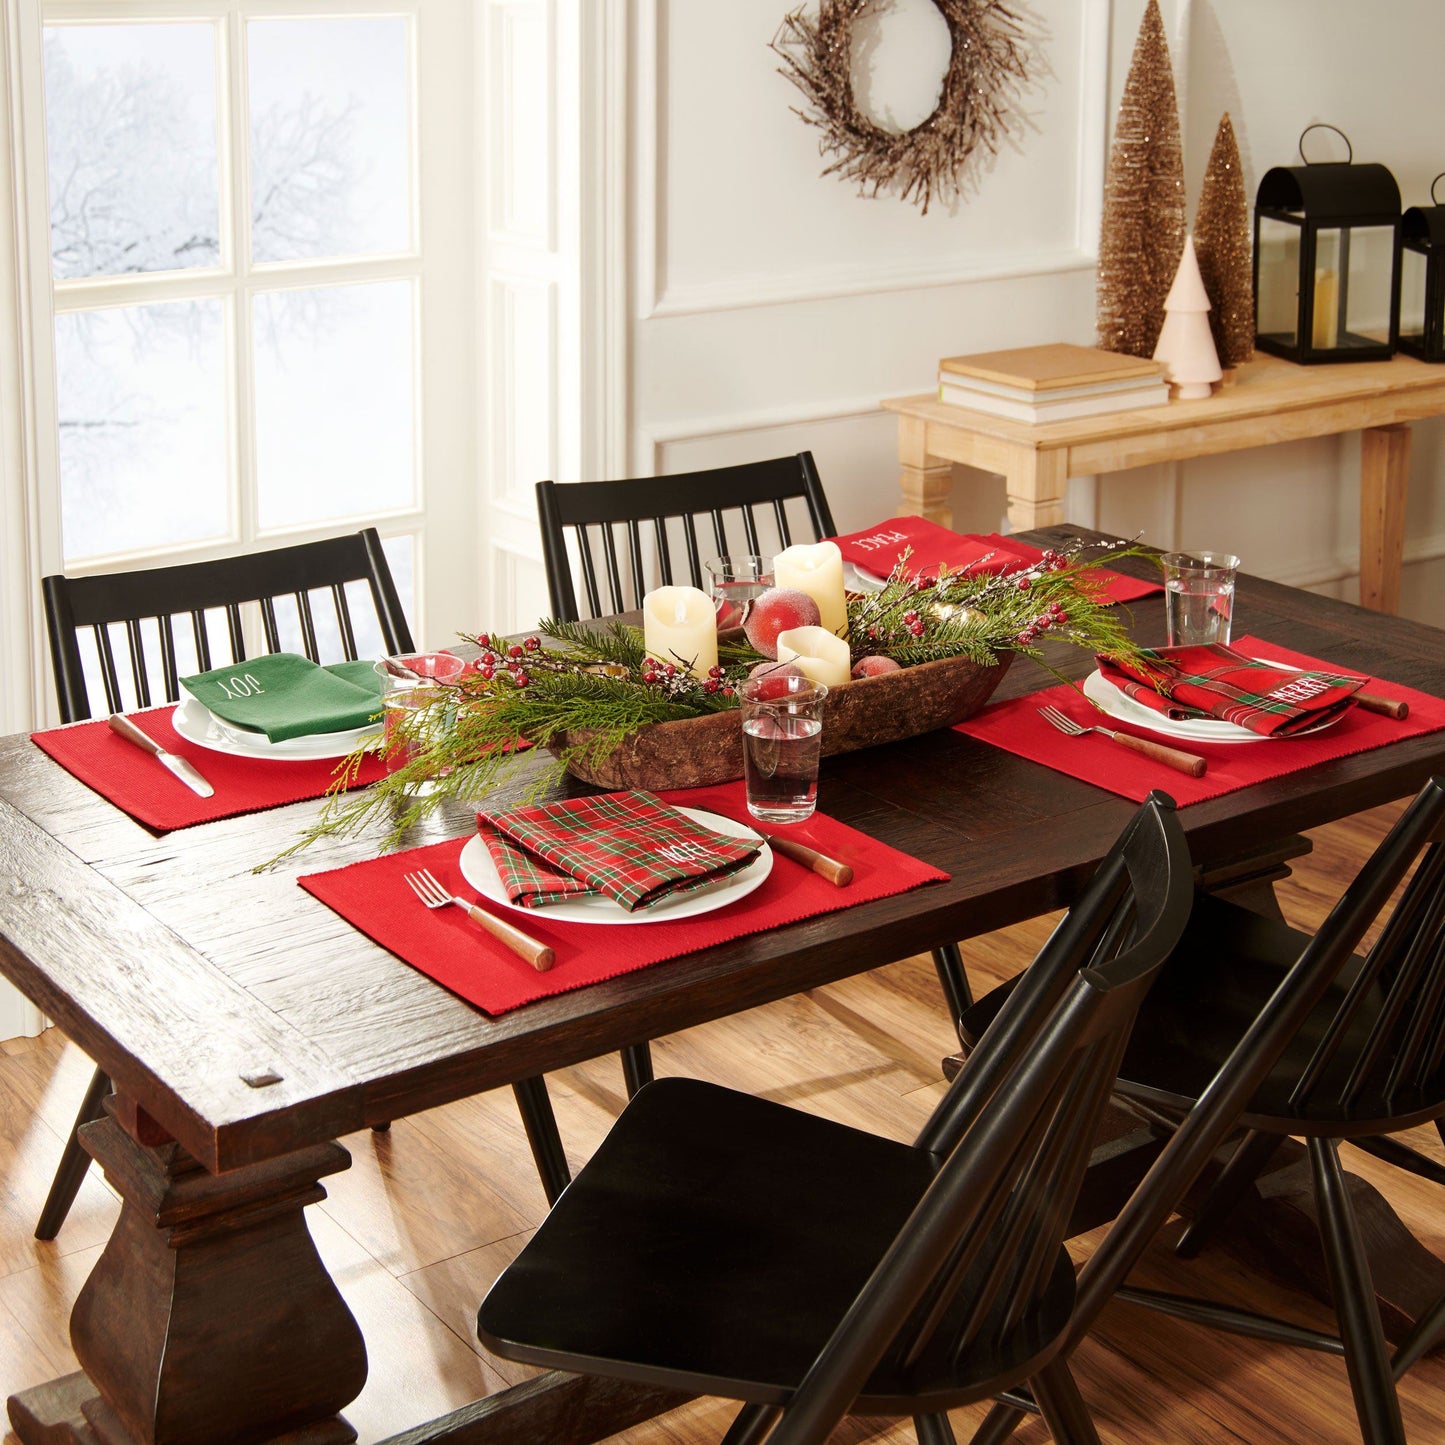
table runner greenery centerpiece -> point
(584, 690)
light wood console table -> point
(1271, 401)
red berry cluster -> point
(715, 682)
(511, 664)
(914, 623)
(675, 680)
(1054, 616)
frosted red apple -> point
(874, 666)
(778, 672)
(779, 609)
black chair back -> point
(615, 525)
(1385, 1041)
(1014, 1133)
(1420, 830)
(164, 594)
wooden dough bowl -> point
(698, 751)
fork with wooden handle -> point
(434, 895)
(1170, 757)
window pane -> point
(360, 606)
(131, 127)
(143, 443)
(335, 402)
(329, 137)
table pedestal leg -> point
(209, 1318)
(1384, 483)
(925, 481)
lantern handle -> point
(1324, 125)
(1433, 184)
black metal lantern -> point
(1327, 260)
(1422, 279)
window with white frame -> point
(259, 283)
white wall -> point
(772, 307)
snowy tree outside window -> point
(178, 404)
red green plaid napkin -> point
(630, 846)
(1213, 680)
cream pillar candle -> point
(679, 625)
(822, 656)
(818, 571)
(1326, 329)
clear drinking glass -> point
(732, 582)
(415, 700)
(782, 743)
(1198, 596)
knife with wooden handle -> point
(183, 770)
(840, 875)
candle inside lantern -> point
(1325, 331)
(819, 653)
(818, 571)
(679, 625)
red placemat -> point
(1017, 727)
(447, 946)
(139, 785)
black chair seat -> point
(629, 1273)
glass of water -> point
(732, 582)
(416, 697)
(1198, 596)
(782, 743)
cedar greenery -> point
(581, 691)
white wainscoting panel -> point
(734, 210)
(521, 136)
(521, 387)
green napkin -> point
(285, 695)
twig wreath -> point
(987, 68)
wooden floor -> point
(430, 1212)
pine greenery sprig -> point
(583, 690)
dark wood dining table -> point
(247, 1027)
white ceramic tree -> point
(1186, 345)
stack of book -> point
(1051, 383)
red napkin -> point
(446, 946)
(1224, 683)
(137, 784)
(1017, 727)
(877, 549)
(630, 846)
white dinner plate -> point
(1123, 708)
(479, 870)
(195, 722)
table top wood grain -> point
(184, 973)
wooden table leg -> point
(1384, 482)
(925, 481)
(1036, 482)
(209, 1317)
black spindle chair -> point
(627, 535)
(122, 611)
(1253, 1025)
(725, 1245)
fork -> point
(431, 893)
(1170, 757)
